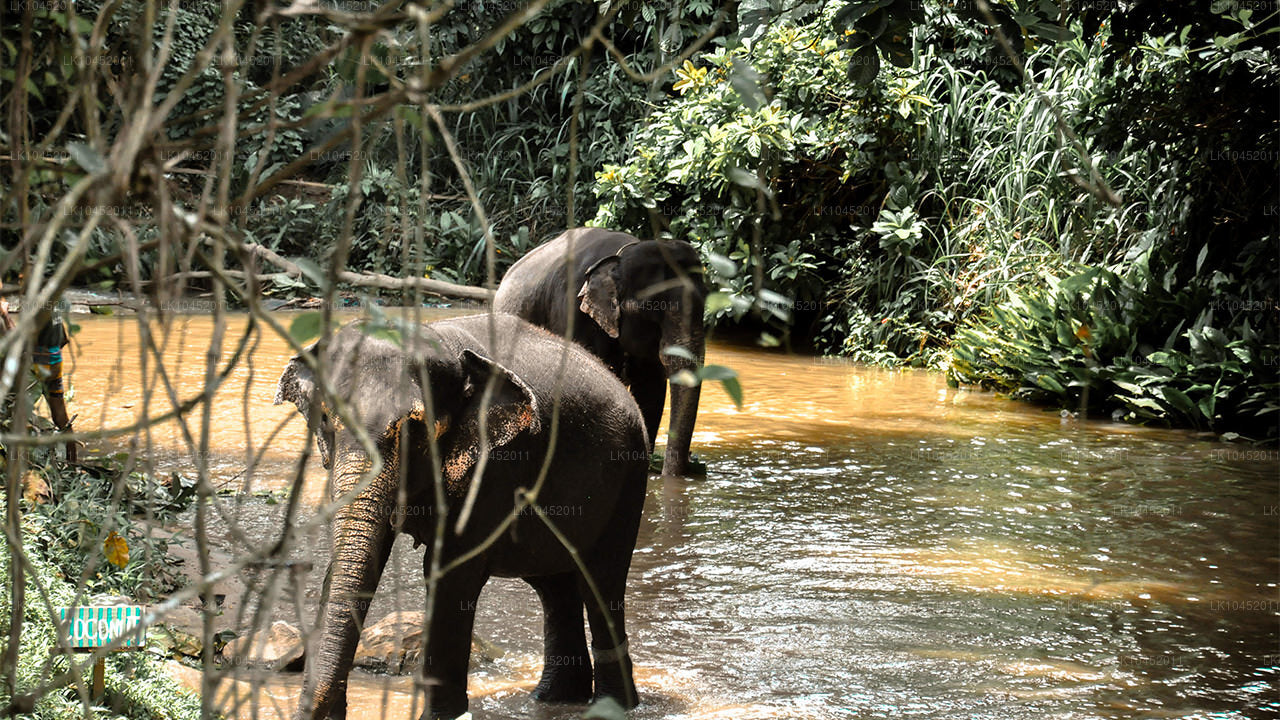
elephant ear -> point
(599, 295)
(297, 385)
(512, 409)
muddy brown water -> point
(868, 543)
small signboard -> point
(94, 627)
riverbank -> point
(90, 301)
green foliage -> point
(876, 27)
(1090, 340)
(67, 512)
(725, 160)
(880, 173)
(516, 152)
(1192, 289)
(728, 377)
(89, 502)
(901, 208)
(836, 178)
(135, 682)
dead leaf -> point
(34, 489)
(116, 550)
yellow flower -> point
(690, 77)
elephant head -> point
(388, 389)
(650, 297)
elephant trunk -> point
(362, 541)
(684, 398)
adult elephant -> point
(434, 383)
(630, 300)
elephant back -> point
(590, 394)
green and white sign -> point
(93, 627)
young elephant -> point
(434, 384)
(631, 300)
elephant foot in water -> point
(566, 683)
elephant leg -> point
(566, 667)
(448, 651)
(649, 388)
(608, 563)
(609, 639)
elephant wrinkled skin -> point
(433, 384)
(630, 300)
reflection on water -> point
(868, 543)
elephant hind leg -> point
(608, 563)
(613, 673)
(566, 668)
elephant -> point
(432, 383)
(633, 299)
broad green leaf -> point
(305, 326)
(718, 300)
(1050, 384)
(685, 378)
(747, 81)
(677, 351)
(723, 266)
(734, 389)
(86, 157)
(1147, 403)
(1216, 336)
(312, 271)
(389, 334)
(745, 178)
(864, 65)
(1179, 400)
(1207, 405)
(1137, 390)
(779, 305)
(717, 372)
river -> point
(868, 543)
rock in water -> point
(279, 647)
(394, 644)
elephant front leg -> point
(649, 388)
(448, 651)
(566, 668)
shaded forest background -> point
(1075, 205)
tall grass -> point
(988, 176)
(1098, 306)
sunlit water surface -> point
(868, 543)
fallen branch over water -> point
(377, 280)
